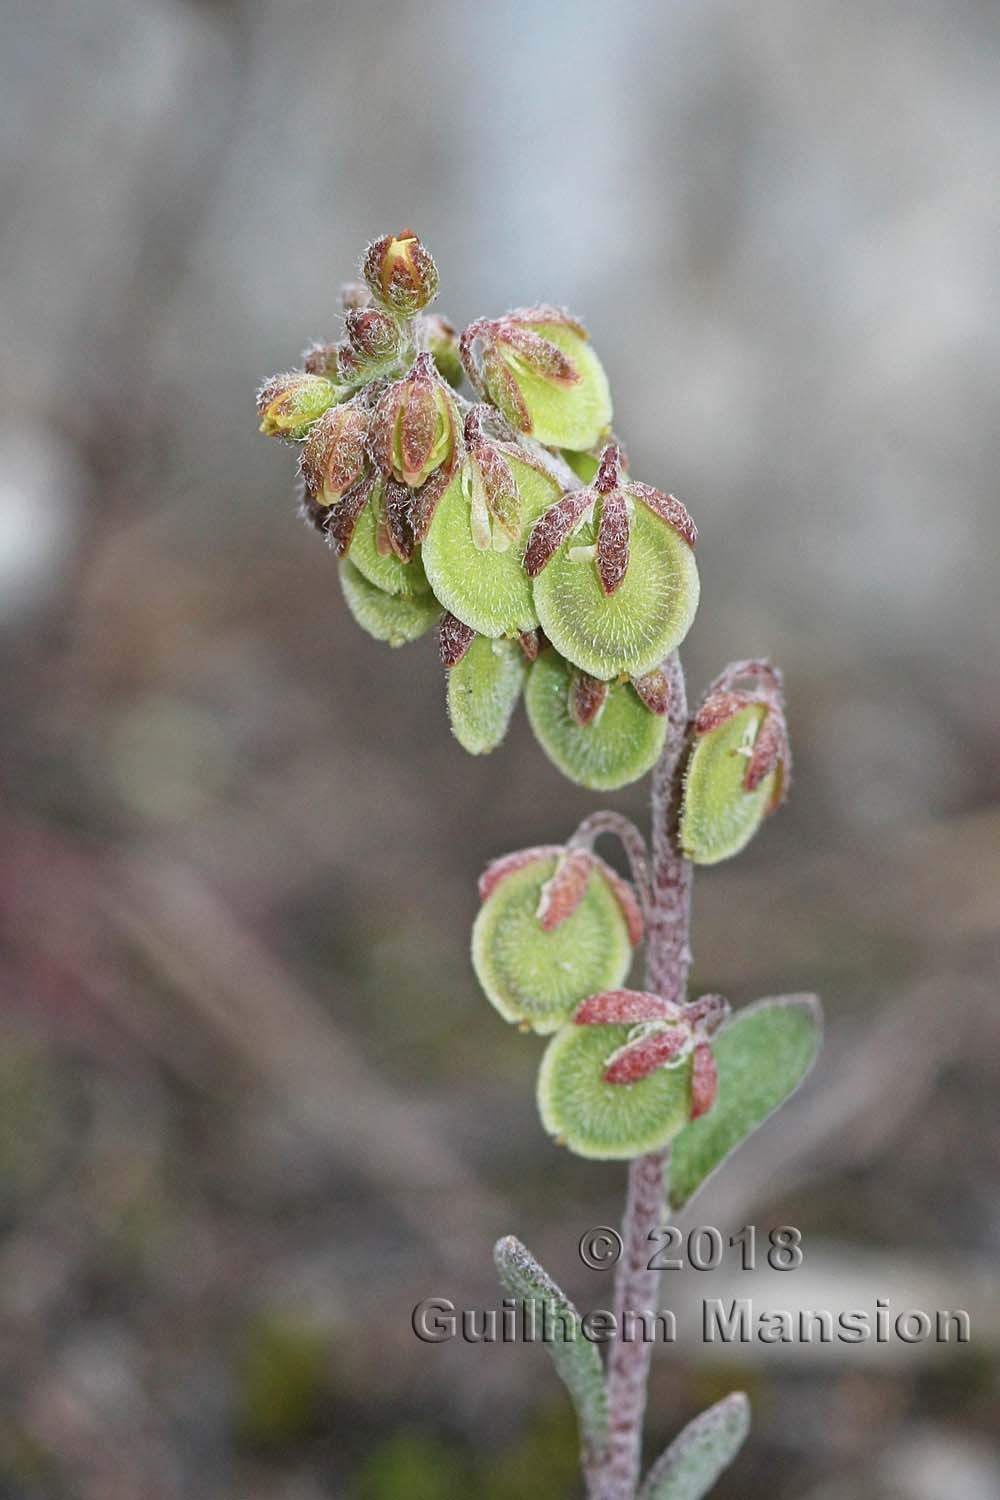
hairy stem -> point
(668, 959)
(631, 841)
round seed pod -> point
(608, 1121)
(385, 570)
(483, 689)
(393, 618)
(647, 616)
(618, 746)
(540, 977)
(718, 816)
(485, 588)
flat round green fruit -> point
(637, 626)
(483, 689)
(565, 416)
(622, 743)
(540, 977)
(718, 818)
(388, 617)
(607, 1121)
(487, 590)
(385, 572)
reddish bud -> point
(289, 404)
(653, 688)
(353, 295)
(612, 541)
(335, 454)
(401, 272)
(415, 425)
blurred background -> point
(252, 1106)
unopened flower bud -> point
(738, 764)
(401, 272)
(538, 368)
(354, 294)
(537, 971)
(335, 456)
(322, 359)
(438, 337)
(616, 584)
(374, 337)
(415, 427)
(289, 404)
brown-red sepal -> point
(530, 644)
(564, 890)
(454, 639)
(587, 696)
(343, 517)
(613, 541)
(625, 1008)
(552, 529)
(707, 1014)
(396, 499)
(704, 1081)
(625, 895)
(508, 864)
(718, 708)
(424, 501)
(667, 507)
(653, 690)
(646, 1055)
(540, 355)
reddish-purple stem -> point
(668, 959)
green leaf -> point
(384, 570)
(697, 1456)
(576, 1359)
(561, 415)
(608, 1121)
(483, 689)
(762, 1056)
(619, 746)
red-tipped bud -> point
(415, 426)
(401, 272)
(289, 404)
(354, 295)
(653, 689)
(335, 454)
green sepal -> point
(619, 746)
(607, 1121)
(689, 1468)
(762, 1056)
(576, 1359)
(634, 629)
(392, 618)
(486, 589)
(537, 977)
(718, 817)
(385, 570)
(562, 415)
(483, 689)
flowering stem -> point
(668, 959)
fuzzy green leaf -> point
(621, 744)
(762, 1056)
(483, 689)
(697, 1456)
(576, 1359)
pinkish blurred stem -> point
(631, 840)
(668, 959)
